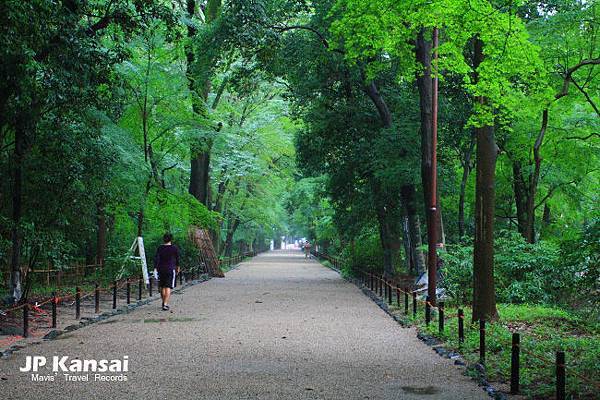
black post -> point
(380, 286)
(97, 299)
(482, 341)
(128, 285)
(114, 295)
(441, 316)
(427, 311)
(77, 303)
(406, 303)
(150, 286)
(414, 298)
(397, 295)
(54, 301)
(385, 289)
(461, 326)
(514, 363)
(371, 281)
(26, 320)
(140, 282)
(560, 376)
(389, 286)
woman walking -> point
(166, 262)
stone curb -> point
(437, 345)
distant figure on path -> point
(166, 262)
(306, 249)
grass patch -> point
(544, 330)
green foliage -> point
(580, 257)
(543, 272)
(365, 253)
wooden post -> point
(441, 316)
(514, 363)
(482, 341)
(97, 299)
(461, 326)
(77, 303)
(560, 376)
(414, 299)
(54, 302)
(114, 305)
(25, 320)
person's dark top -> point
(166, 258)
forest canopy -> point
(331, 121)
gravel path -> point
(278, 327)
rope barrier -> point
(545, 361)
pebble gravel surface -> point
(277, 327)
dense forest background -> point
(261, 119)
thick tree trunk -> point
(484, 292)
(15, 269)
(199, 176)
(199, 186)
(414, 227)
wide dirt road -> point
(278, 327)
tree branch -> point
(307, 28)
(569, 73)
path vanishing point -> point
(277, 327)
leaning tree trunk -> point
(484, 292)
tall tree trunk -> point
(521, 191)
(484, 292)
(385, 238)
(466, 164)
(535, 178)
(547, 216)
(425, 86)
(17, 193)
(200, 152)
(231, 228)
(408, 195)
(140, 222)
(100, 234)
(408, 259)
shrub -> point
(364, 254)
(523, 272)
